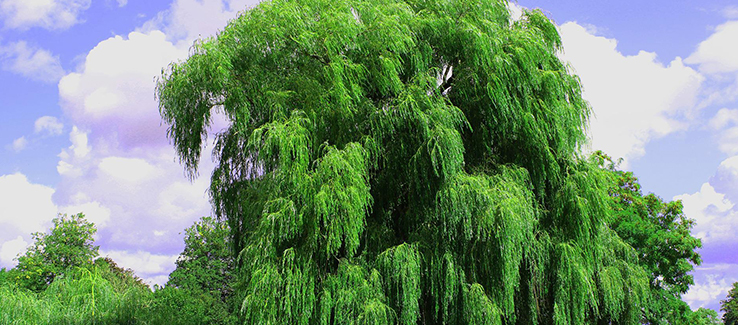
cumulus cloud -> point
(113, 94)
(730, 12)
(93, 210)
(714, 208)
(74, 159)
(712, 282)
(48, 125)
(48, 14)
(120, 169)
(715, 219)
(19, 144)
(153, 268)
(142, 195)
(725, 126)
(715, 212)
(30, 62)
(723, 118)
(24, 209)
(10, 249)
(719, 52)
(725, 179)
(187, 20)
(635, 98)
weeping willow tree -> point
(403, 162)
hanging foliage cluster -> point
(403, 162)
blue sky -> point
(80, 130)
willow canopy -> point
(402, 162)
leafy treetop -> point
(730, 306)
(393, 161)
(69, 244)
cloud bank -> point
(48, 14)
(635, 99)
(30, 62)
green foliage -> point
(393, 161)
(206, 262)
(704, 316)
(661, 235)
(730, 306)
(80, 296)
(174, 306)
(69, 244)
(199, 290)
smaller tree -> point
(704, 316)
(199, 290)
(206, 262)
(730, 306)
(69, 243)
(660, 233)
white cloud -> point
(122, 3)
(142, 191)
(635, 98)
(706, 292)
(33, 63)
(723, 118)
(120, 170)
(73, 159)
(120, 166)
(516, 11)
(153, 268)
(725, 124)
(187, 20)
(93, 210)
(48, 125)
(730, 12)
(113, 94)
(719, 52)
(10, 250)
(728, 141)
(25, 208)
(715, 219)
(25, 205)
(726, 178)
(48, 14)
(129, 170)
(716, 222)
(19, 144)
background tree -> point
(57, 282)
(206, 263)
(199, 290)
(661, 235)
(68, 244)
(406, 162)
(730, 306)
(704, 316)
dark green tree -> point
(408, 162)
(68, 244)
(206, 264)
(661, 235)
(199, 290)
(730, 306)
(704, 316)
